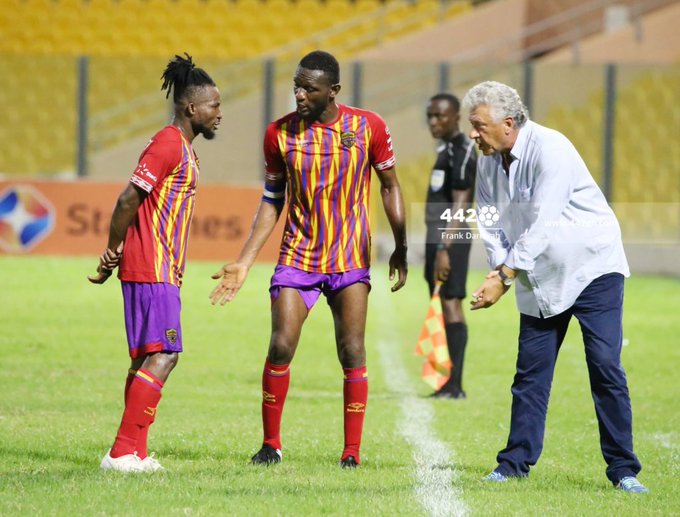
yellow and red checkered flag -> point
(432, 344)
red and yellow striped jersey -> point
(156, 242)
(327, 172)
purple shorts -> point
(311, 285)
(152, 320)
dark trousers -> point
(599, 310)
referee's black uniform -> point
(455, 169)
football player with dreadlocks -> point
(147, 241)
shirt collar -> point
(522, 140)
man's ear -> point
(190, 109)
(335, 89)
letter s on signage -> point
(77, 217)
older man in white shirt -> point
(549, 231)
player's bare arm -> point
(123, 214)
(233, 275)
(393, 203)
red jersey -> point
(156, 242)
(327, 172)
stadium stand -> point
(125, 41)
(647, 167)
(225, 29)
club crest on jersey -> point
(348, 138)
(171, 336)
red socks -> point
(141, 401)
(275, 381)
(355, 393)
(128, 382)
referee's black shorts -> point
(459, 258)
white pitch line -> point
(435, 474)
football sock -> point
(128, 382)
(275, 382)
(456, 340)
(355, 393)
(140, 412)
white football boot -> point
(125, 463)
(151, 464)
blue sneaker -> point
(631, 485)
(497, 477)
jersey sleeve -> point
(158, 159)
(464, 178)
(274, 165)
(274, 168)
(380, 152)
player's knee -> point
(165, 361)
(280, 355)
(281, 348)
(352, 361)
(352, 353)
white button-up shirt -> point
(548, 219)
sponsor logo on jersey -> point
(142, 170)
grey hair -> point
(502, 100)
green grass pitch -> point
(64, 361)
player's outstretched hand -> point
(399, 266)
(231, 278)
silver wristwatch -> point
(507, 281)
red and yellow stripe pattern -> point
(171, 218)
(328, 173)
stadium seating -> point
(40, 128)
(646, 181)
(227, 29)
(127, 42)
